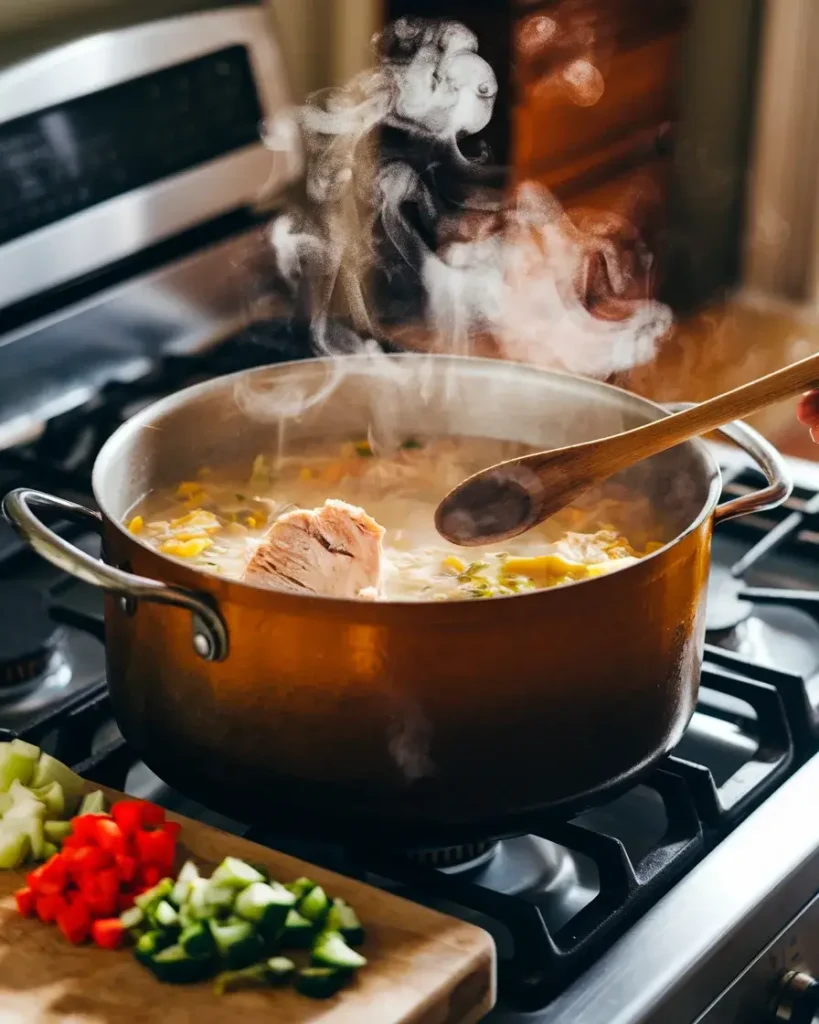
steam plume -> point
(517, 270)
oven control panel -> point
(782, 985)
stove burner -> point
(724, 610)
(454, 859)
(28, 637)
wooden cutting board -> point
(424, 967)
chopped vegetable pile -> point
(109, 877)
(235, 925)
(104, 865)
(37, 794)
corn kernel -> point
(185, 548)
(137, 524)
(333, 473)
(251, 522)
(305, 473)
(187, 488)
(453, 563)
(545, 569)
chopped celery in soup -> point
(375, 538)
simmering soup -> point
(351, 521)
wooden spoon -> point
(511, 497)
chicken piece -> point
(332, 551)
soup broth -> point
(217, 521)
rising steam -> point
(518, 270)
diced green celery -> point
(49, 849)
(57, 831)
(17, 761)
(92, 803)
(53, 797)
(49, 769)
(14, 845)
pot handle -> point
(210, 637)
(767, 459)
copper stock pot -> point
(411, 723)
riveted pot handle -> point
(766, 457)
(210, 639)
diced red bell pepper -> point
(87, 860)
(135, 815)
(84, 827)
(50, 878)
(108, 933)
(100, 904)
(147, 876)
(126, 867)
(24, 898)
(72, 842)
(125, 901)
(75, 922)
(108, 881)
(172, 828)
(158, 847)
(48, 907)
(109, 836)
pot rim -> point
(145, 417)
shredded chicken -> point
(332, 551)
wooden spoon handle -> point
(716, 412)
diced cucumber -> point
(236, 941)
(330, 950)
(298, 931)
(236, 873)
(320, 982)
(131, 918)
(57, 831)
(219, 898)
(165, 915)
(48, 769)
(173, 966)
(301, 887)
(92, 803)
(255, 976)
(342, 918)
(197, 905)
(14, 845)
(281, 969)
(148, 900)
(53, 797)
(197, 940)
(18, 761)
(182, 886)
(149, 944)
(315, 905)
(252, 902)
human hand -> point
(808, 413)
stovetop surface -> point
(558, 900)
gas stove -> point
(142, 267)
(685, 877)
